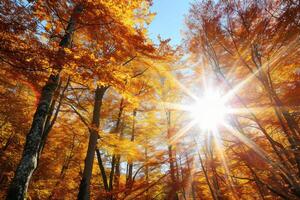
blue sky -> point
(169, 19)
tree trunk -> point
(84, 188)
(115, 164)
(117, 176)
(18, 187)
(50, 121)
(102, 170)
(130, 164)
(111, 176)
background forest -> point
(92, 108)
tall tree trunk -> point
(84, 189)
(115, 164)
(102, 170)
(19, 185)
(117, 176)
(118, 166)
(130, 164)
(112, 172)
(50, 121)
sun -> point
(209, 111)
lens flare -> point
(209, 111)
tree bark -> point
(84, 188)
(130, 164)
(117, 176)
(102, 170)
(115, 163)
(50, 121)
(19, 185)
(111, 175)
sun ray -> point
(182, 131)
(232, 92)
(176, 106)
(240, 85)
(248, 142)
(252, 145)
(247, 110)
(220, 150)
(184, 88)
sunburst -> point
(209, 111)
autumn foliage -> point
(91, 108)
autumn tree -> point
(48, 21)
(239, 39)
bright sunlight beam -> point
(209, 111)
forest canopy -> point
(92, 107)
